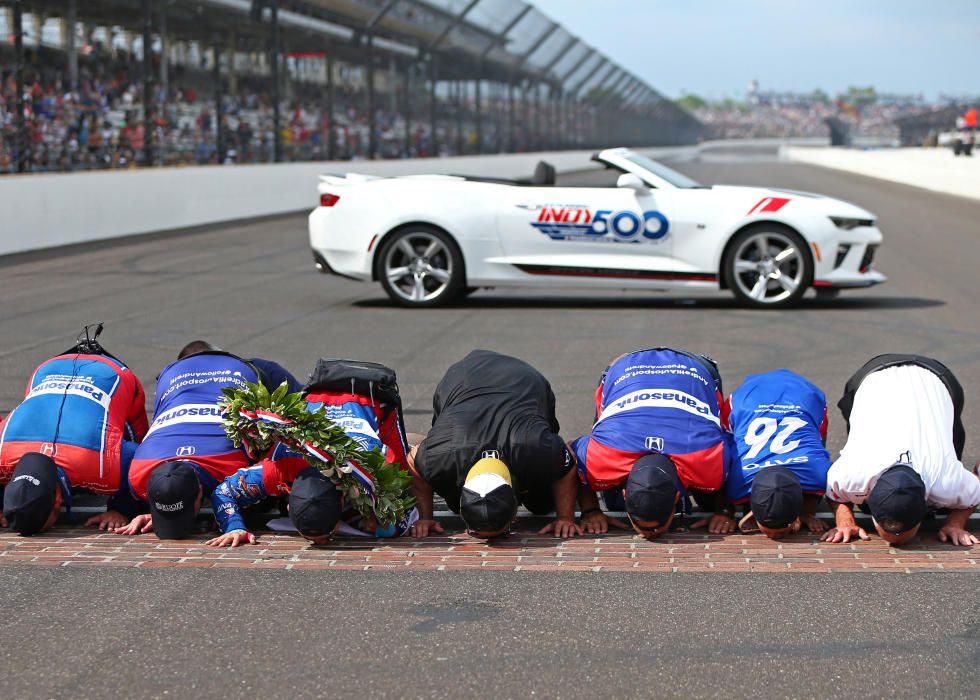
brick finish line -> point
(522, 551)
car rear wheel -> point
(420, 267)
(768, 266)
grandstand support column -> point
(331, 136)
(558, 135)
(478, 110)
(219, 128)
(511, 108)
(230, 68)
(23, 142)
(407, 109)
(433, 117)
(371, 106)
(148, 82)
(458, 109)
(274, 63)
(70, 48)
(164, 53)
(538, 131)
(571, 128)
(528, 125)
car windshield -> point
(662, 171)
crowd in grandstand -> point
(804, 116)
(100, 123)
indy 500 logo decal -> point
(579, 223)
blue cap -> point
(898, 499)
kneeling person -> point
(186, 452)
(314, 502)
(75, 431)
(902, 455)
(493, 445)
(657, 436)
(362, 399)
(778, 422)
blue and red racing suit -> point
(187, 422)
(777, 419)
(86, 412)
(656, 401)
(366, 421)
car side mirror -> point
(631, 181)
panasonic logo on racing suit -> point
(76, 387)
(191, 413)
(645, 398)
(562, 222)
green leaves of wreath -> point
(257, 420)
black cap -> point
(172, 492)
(487, 501)
(777, 497)
(29, 497)
(898, 499)
(314, 503)
(651, 488)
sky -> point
(713, 48)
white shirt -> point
(902, 414)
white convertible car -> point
(431, 238)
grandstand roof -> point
(504, 40)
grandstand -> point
(89, 84)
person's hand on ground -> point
(844, 534)
(109, 521)
(813, 524)
(598, 523)
(562, 527)
(957, 535)
(235, 538)
(141, 524)
(422, 528)
(718, 524)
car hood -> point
(827, 205)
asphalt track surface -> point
(251, 289)
(252, 634)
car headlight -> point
(847, 224)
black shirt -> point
(492, 402)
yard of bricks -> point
(522, 550)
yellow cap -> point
(489, 465)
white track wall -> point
(43, 211)
(934, 169)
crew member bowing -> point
(657, 436)
(493, 445)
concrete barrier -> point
(930, 168)
(42, 211)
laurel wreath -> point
(257, 420)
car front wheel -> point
(768, 267)
(420, 267)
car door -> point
(611, 228)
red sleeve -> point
(726, 414)
(391, 436)
(598, 400)
(278, 475)
(824, 425)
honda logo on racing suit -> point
(49, 450)
(186, 451)
(654, 443)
